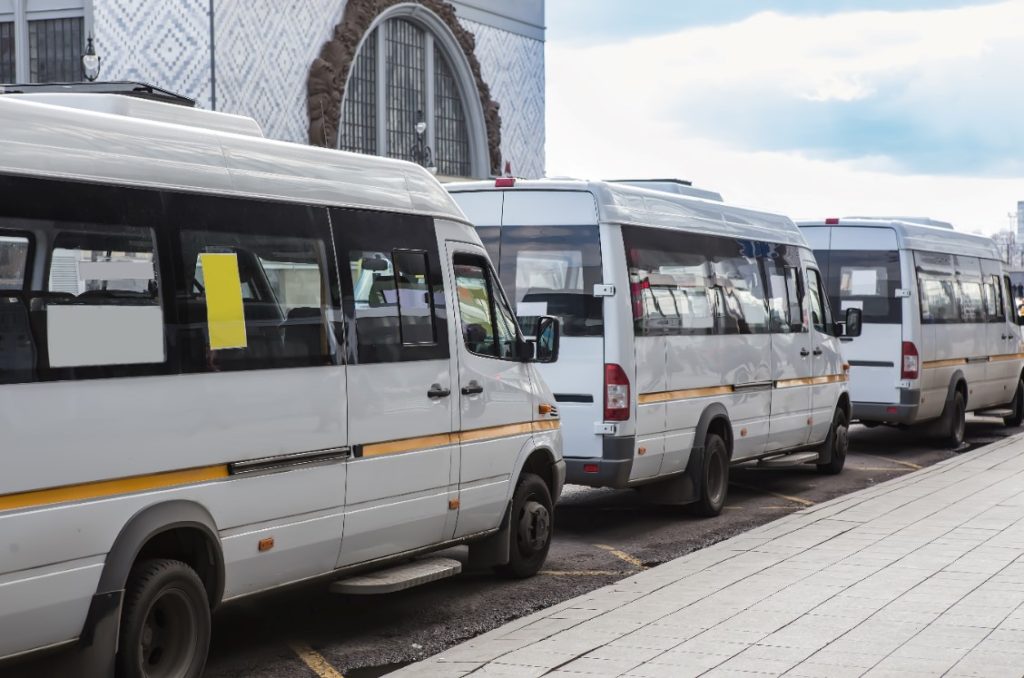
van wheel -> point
(1017, 418)
(165, 623)
(531, 528)
(955, 422)
(714, 478)
(838, 443)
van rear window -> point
(552, 270)
(862, 279)
(13, 261)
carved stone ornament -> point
(329, 72)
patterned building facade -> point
(254, 57)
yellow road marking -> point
(583, 573)
(622, 555)
(314, 660)
(908, 464)
(877, 468)
(798, 500)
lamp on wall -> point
(421, 152)
(90, 62)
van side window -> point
(256, 289)
(738, 286)
(786, 290)
(488, 327)
(937, 285)
(820, 315)
(393, 289)
(14, 251)
(994, 308)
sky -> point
(811, 108)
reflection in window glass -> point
(785, 300)
(737, 279)
(994, 300)
(414, 302)
(820, 316)
(475, 306)
(283, 282)
(938, 300)
(972, 309)
(552, 270)
(867, 280)
(13, 262)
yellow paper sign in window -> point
(225, 316)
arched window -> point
(402, 76)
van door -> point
(495, 396)
(401, 407)
(1003, 366)
(828, 377)
(792, 366)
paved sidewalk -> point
(918, 576)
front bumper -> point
(903, 412)
(612, 467)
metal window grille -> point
(359, 116)
(55, 49)
(7, 52)
(451, 136)
(406, 85)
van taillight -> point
(911, 364)
(616, 393)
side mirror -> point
(548, 335)
(854, 322)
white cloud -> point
(672, 105)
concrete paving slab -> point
(919, 576)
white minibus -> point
(694, 334)
(228, 364)
(940, 335)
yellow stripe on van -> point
(931, 364)
(811, 381)
(445, 439)
(665, 396)
(109, 488)
(1007, 356)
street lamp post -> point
(421, 151)
(90, 62)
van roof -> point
(624, 204)
(114, 139)
(915, 233)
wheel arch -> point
(714, 419)
(957, 382)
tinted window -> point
(13, 261)
(687, 283)
(393, 290)
(938, 300)
(994, 308)
(488, 327)
(551, 270)
(256, 289)
(106, 316)
(820, 316)
(786, 289)
(867, 280)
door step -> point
(786, 460)
(996, 412)
(398, 578)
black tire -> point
(838, 443)
(532, 524)
(954, 423)
(714, 477)
(165, 622)
(1017, 418)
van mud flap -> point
(679, 489)
(494, 549)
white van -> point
(228, 364)
(694, 334)
(940, 334)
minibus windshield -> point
(550, 270)
(863, 279)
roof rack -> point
(139, 90)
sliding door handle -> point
(437, 392)
(817, 351)
(472, 388)
(804, 353)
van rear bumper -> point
(903, 412)
(613, 466)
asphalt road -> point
(601, 536)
